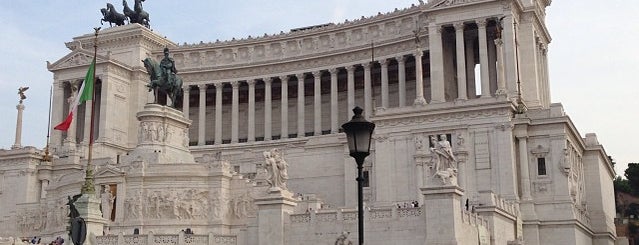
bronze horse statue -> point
(167, 83)
(112, 16)
(137, 14)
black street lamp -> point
(358, 133)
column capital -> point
(459, 26)
(367, 65)
(317, 74)
(350, 68)
(383, 62)
(186, 88)
(267, 80)
(219, 85)
(202, 87)
(436, 28)
(481, 23)
(235, 84)
(300, 77)
(418, 53)
(400, 59)
(251, 82)
(333, 70)
(284, 78)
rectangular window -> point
(541, 166)
(236, 169)
(366, 179)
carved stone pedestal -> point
(88, 206)
(162, 136)
(273, 211)
(443, 214)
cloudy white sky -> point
(593, 55)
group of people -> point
(413, 204)
(37, 240)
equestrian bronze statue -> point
(164, 78)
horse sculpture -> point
(167, 83)
(112, 16)
(137, 14)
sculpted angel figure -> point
(277, 169)
(21, 91)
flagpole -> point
(47, 157)
(89, 187)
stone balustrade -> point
(167, 239)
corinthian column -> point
(300, 105)
(334, 107)
(284, 98)
(185, 100)
(401, 76)
(384, 65)
(218, 112)
(235, 111)
(267, 109)
(436, 63)
(461, 61)
(368, 89)
(251, 111)
(351, 89)
(201, 127)
(317, 103)
(483, 58)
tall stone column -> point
(185, 100)
(501, 75)
(317, 103)
(351, 89)
(300, 106)
(401, 76)
(470, 69)
(523, 167)
(461, 61)
(57, 112)
(334, 105)
(384, 65)
(235, 112)
(483, 58)
(284, 99)
(436, 63)
(18, 141)
(201, 126)
(419, 80)
(251, 110)
(368, 91)
(219, 87)
(267, 109)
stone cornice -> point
(120, 34)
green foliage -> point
(632, 175)
(622, 185)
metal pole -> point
(360, 200)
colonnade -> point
(441, 49)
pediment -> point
(77, 58)
(450, 3)
(109, 171)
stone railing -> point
(488, 199)
(167, 239)
(350, 215)
(473, 219)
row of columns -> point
(437, 87)
(317, 100)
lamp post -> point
(358, 134)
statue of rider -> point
(168, 68)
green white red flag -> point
(85, 93)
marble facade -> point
(515, 176)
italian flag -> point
(85, 93)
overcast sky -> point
(593, 54)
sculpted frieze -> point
(448, 117)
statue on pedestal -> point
(164, 77)
(277, 169)
(444, 161)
